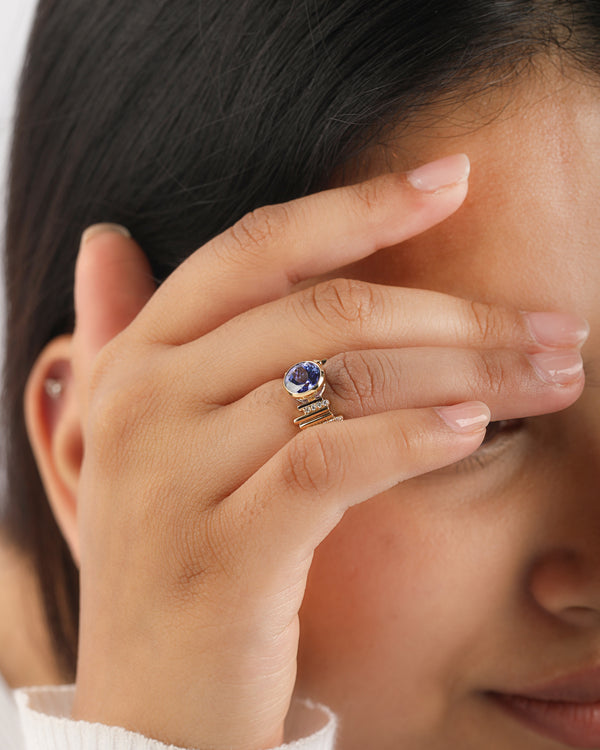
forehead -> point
(527, 233)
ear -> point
(54, 428)
(113, 282)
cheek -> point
(381, 585)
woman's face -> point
(484, 575)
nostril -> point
(584, 617)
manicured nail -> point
(471, 416)
(440, 174)
(558, 368)
(97, 229)
(557, 329)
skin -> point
(26, 656)
(478, 577)
(467, 578)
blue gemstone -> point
(302, 377)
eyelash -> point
(484, 454)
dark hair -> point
(176, 117)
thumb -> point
(113, 282)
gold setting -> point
(313, 407)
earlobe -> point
(53, 420)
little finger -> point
(296, 499)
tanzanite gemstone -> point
(302, 377)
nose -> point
(567, 586)
(564, 574)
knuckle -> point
(266, 397)
(349, 300)
(406, 443)
(120, 408)
(356, 378)
(368, 194)
(102, 367)
(487, 320)
(107, 415)
(199, 550)
(264, 225)
(491, 373)
(312, 463)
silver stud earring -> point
(54, 387)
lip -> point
(577, 687)
(576, 724)
(566, 708)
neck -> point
(26, 656)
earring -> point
(54, 387)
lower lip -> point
(575, 724)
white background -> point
(15, 20)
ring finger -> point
(513, 384)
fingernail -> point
(471, 416)
(440, 174)
(557, 367)
(557, 329)
(97, 229)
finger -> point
(270, 250)
(342, 315)
(113, 282)
(362, 383)
(512, 384)
(301, 493)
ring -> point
(305, 381)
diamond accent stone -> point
(315, 406)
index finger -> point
(267, 252)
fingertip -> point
(442, 174)
(465, 418)
(113, 281)
(96, 230)
(104, 233)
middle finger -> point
(343, 315)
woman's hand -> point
(201, 503)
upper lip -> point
(582, 686)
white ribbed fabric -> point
(10, 730)
(44, 714)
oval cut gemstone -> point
(302, 377)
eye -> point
(496, 429)
(496, 435)
(503, 449)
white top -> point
(10, 730)
(39, 719)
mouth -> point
(566, 709)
